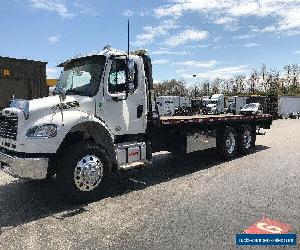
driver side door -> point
(124, 113)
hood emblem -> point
(67, 105)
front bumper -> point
(25, 168)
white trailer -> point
(167, 104)
(288, 104)
(185, 102)
(236, 103)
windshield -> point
(83, 76)
(213, 102)
(250, 106)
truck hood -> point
(211, 105)
(51, 104)
(249, 109)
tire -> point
(82, 172)
(247, 139)
(227, 143)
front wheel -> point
(82, 172)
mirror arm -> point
(115, 99)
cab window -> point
(117, 77)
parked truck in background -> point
(104, 120)
(216, 104)
(288, 105)
(236, 103)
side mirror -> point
(61, 92)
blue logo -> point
(266, 239)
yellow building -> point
(52, 82)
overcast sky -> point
(184, 37)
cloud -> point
(201, 46)
(224, 20)
(167, 52)
(150, 32)
(197, 64)
(186, 36)
(244, 8)
(178, 7)
(161, 61)
(52, 72)
(249, 45)
(297, 52)
(225, 72)
(284, 14)
(128, 13)
(85, 10)
(53, 6)
(53, 39)
(243, 37)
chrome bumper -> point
(26, 168)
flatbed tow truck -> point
(103, 120)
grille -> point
(8, 127)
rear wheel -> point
(227, 143)
(246, 139)
(82, 172)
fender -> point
(73, 121)
(99, 132)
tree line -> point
(263, 81)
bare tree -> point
(171, 87)
(239, 83)
(261, 81)
(263, 74)
(254, 81)
(216, 84)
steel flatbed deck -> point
(166, 120)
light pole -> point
(208, 88)
(194, 76)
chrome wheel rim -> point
(88, 173)
(247, 139)
(230, 143)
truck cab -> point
(103, 98)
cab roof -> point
(106, 51)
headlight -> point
(43, 131)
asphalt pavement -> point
(191, 202)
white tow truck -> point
(104, 119)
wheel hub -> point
(247, 139)
(88, 173)
(230, 143)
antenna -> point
(128, 30)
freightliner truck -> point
(104, 120)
